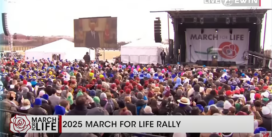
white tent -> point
(62, 47)
(142, 51)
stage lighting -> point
(234, 20)
(201, 20)
(195, 20)
(216, 30)
(228, 20)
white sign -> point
(227, 46)
(130, 124)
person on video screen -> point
(92, 36)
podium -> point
(214, 60)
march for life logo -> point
(228, 50)
(34, 124)
(265, 133)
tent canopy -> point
(142, 51)
(62, 47)
(57, 46)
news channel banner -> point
(131, 124)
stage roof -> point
(216, 12)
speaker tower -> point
(5, 24)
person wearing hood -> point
(178, 83)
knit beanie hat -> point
(103, 96)
(259, 130)
(45, 96)
(227, 105)
(96, 99)
(38, 101)
(238, 106)
(59, 110)
(70, 100)
(79, 94)
(91, 93)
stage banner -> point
(220, 43)
(96, 33)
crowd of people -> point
(61, 87)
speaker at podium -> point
(214, 60)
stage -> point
(202, 36)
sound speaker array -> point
(5, 24)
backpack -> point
(109, 106)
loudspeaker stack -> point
(5, 24)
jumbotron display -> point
(96, 32)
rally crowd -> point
(61, 87)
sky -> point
(55, 17)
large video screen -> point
(96, 33)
